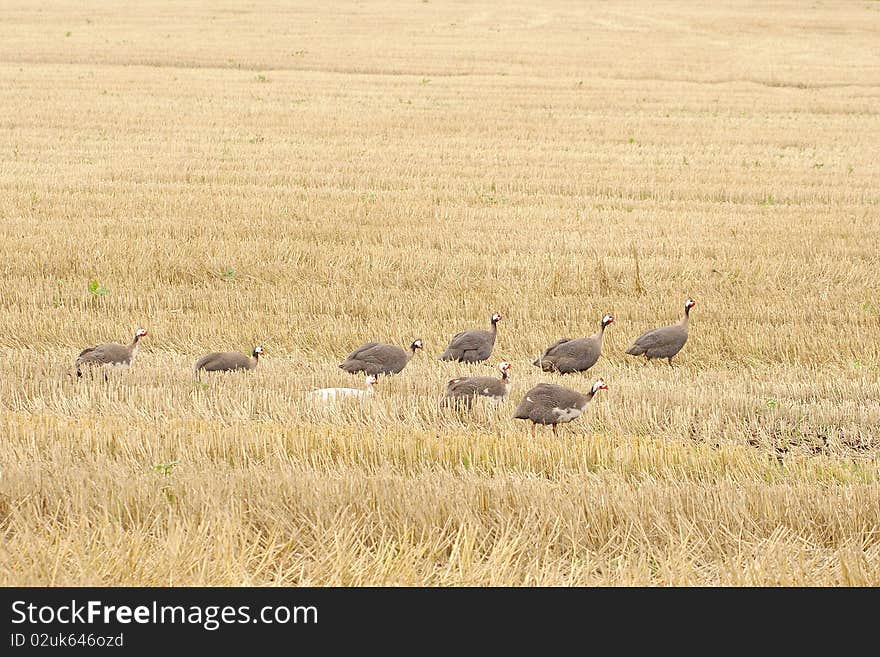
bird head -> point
(372, 380)
(140, 333)
(503, 367)
(608, 319)
(257, 352)
(690, 303)
(416, 344)
(496, 318)
(599, 385)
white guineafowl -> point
(333, 395)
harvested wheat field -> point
(235, 174)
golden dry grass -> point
(312, 179)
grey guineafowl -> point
(474, 345)
(547, 403)
(110, 354)
(463, 390)
(663, 342)
(378, 358)
(566, 355)
(227, 361)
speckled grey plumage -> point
(566, 355)
(472, 346)
(464, 389)
(110, 354)
(379, 358)
(543, 403)
(226, 361)
(663, 342)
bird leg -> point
(669, 360)
(534, 430)
(554, 430)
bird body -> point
(474, 345)
(566, 355)
(664, 342)
(110, 354)
(551, 404)
(331, 395)
(465, 389)
(379, 358)
(227, 361)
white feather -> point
(568, 414)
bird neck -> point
(684, 318)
